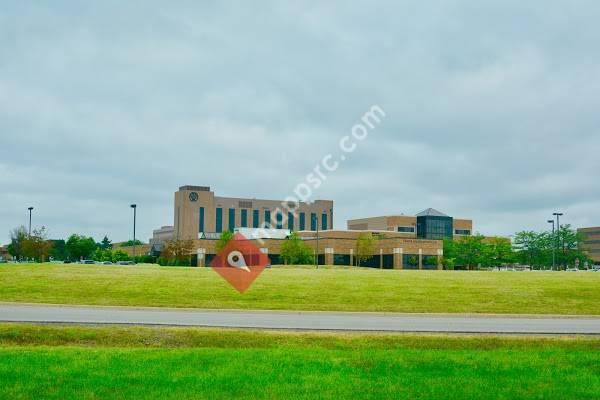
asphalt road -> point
(300, 320)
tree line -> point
(37, 247)
(540, 250)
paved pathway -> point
(299, 320)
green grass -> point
(339, 289)
(54, 362)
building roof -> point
(431, 212)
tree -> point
(469, 251)
(295, 251)
(37, 245)
(105, 244)
(120, 255)
(570, 249)
(532, 248)
(225, 238)
(365, 247)
(17, 237)
(177, 250)
(537, 248)
(58, 251)
(103, 255)
(79, 247)
(131, 243)
(497, 252)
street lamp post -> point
(134, 206)
(30, 210)
(558, 215)
(551, 221)
(316, 220)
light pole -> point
(558, 215)
(551, 221)
(316, 219)
(134, 206)
(30, 210)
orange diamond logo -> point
(240, 263)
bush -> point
(163, 262)
(145, 259)
(295, 251)
(430, 260)
(120, 255)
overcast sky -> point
(492, 108)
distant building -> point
(429, 224)
(160, 237)
(338, 247)
(4, 254)
(591, 242)
(198, 211)
(201, 216)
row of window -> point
(279, 224)
(465, 232)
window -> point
(267, 219)
(465, 232)
(244, 217)
(244, 204)
(406, 229)
(302, 221)
(291, 221)
(255, 219)
(219, 222)
(324, 221)
(279, 218)
(435, 227)
(232, 219)
(313, 221)
(201, 220)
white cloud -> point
(491, 108)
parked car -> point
(107, 263)
(67, 262)
(88, 262)
(126, 263)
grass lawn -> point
(54, 362)
(339, 289)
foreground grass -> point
(175, 363)
(348, 289)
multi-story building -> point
(429, 224)
(401, 242)
(198, 212)
(591, 242)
